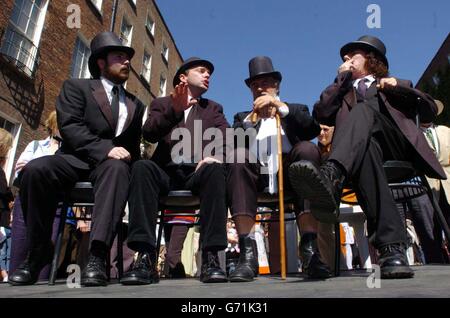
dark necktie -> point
(115, 105)
(429, 134)
(362, 88)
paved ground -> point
(429, 281)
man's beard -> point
(114, 76)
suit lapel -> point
(100, 97)
(131, 108)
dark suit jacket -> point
(85, 123)
(298, 124)
(162, 120)
(403, 102)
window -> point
(97, 4)
(81, 53)
(146, 66)
(126, 30)
(162, 86)
(23, 34)
(150, 25)
(165, 52)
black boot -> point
(393, 262)
(177, 271)
(95, 272)
(247, 268)
(211, 271)
(322, 187)
(310, 256)
(28, 272)
(143, 271)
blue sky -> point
(303, 38)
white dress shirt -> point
(123, 112)
(369, 79)
(266, 146)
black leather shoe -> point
(247, 267)
(393, 262)
(211, 271)
(312, 266)
(28, 272)
(177, 272)
(143, 271)
(322, 187)
(95, 272)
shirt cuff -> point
(283, 111)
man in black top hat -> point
(257, 171)
(100, 123)
(374, 119)
(187, 113)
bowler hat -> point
(103, 43)
(190, 63)
(261, 66)
(368, 44)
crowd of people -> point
(364, 118)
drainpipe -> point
(113, 16)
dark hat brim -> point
(183, 68)
(363, 46)
(276, 75)
(92, 63)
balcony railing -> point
(20, 51)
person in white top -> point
(259, 171)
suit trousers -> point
(244, 179)
(149, 182)
(367, 138)
(43, 182)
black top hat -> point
(261, 66)
(190, 63)
(103, 43)
(367, 43)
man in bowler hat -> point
(246, 178)
(100, 123)
(374, 118)
(182, 111)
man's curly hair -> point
(375, 66)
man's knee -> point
(305, 150)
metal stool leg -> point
(120, 248)
(337, 249)
(158, 239)
(58, 245)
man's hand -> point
(346, 66)
(180, 98)
(206, 160)
(387, 83)
(119, 153)
(266, 106)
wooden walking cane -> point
(281, 199)
(254, 118)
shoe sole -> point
(306, 182)
(135, 281)
(216, 279)
(394, 272)
(14, 283)
(238, 279)
(92, 282)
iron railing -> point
(20, 51)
